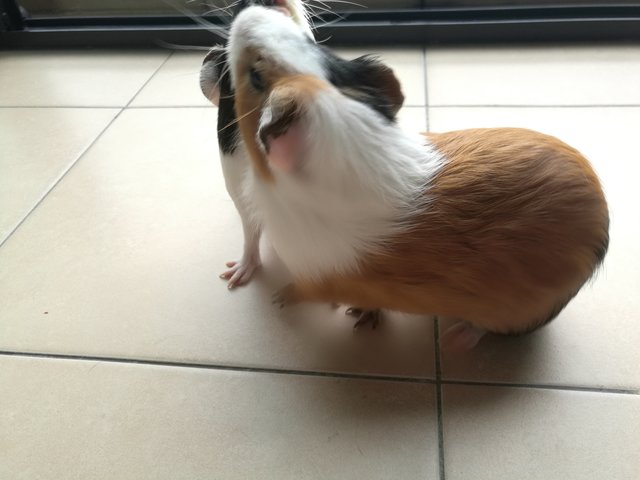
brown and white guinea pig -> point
(499, 228)
(216, 86)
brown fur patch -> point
(512, 227)
(386, 80)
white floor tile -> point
(503, 434)
(548, 75)
(37, 146)
(413, 119)
(66, 420)
(74, 78)
(177, 83)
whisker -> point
(344, 2)
(328, 23)
(318, 12)
(210, 27)
(238, 119)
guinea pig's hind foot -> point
(240, 273)
(286, 296)
(461, 337)
(364, 317)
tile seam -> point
(78, 158)
(439, 407)
(364, 376)
(55, 183)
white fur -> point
(349, 194)
(300, 15)
(236, 168)
(279, 40)
(361, 177)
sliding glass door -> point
(149, 23)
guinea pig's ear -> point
(365, 79)
(381, 80)
(213, 67)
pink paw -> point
(461, 337)
(239, 273)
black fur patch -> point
(357, 79)
(228, 134)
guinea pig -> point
(216, 86)
(363, 76)
(498, 228)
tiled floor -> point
(122, 355)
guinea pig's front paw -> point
(364, 316)
(240, 273)
(286, 296)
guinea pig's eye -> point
(256, 80)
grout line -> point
(149, 79)
(543, 386)
(312, 373)
(436, 336)
(60, 178)
(206, 366)
(78, 158)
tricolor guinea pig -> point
(216, 86)
(362, 76)
(499, 228)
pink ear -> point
(284, 150)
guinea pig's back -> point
(515, 221)
(516, 185)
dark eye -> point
(256, 80)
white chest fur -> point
(349, 195)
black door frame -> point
(428, 25)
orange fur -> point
(511, 228)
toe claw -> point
(240, 273)
(364, 316)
